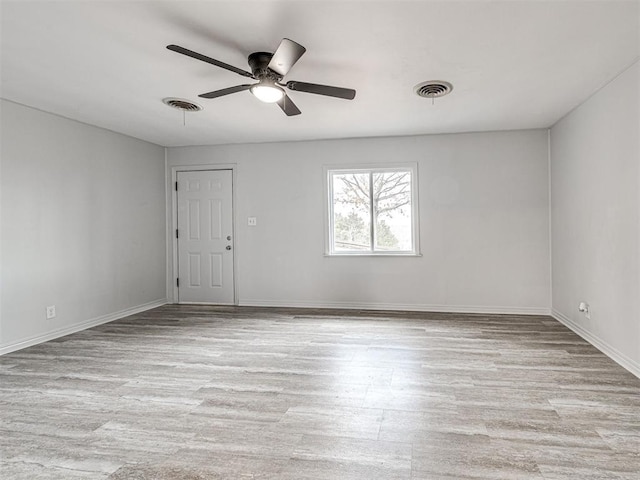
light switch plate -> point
(252, 221)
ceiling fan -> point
(269, 69)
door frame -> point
(173, 270)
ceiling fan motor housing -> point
(259, 63)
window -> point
(372, 211)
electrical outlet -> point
(51, 312)
(252, 221)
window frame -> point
(371, 169)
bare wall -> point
(83, 225)
(484, 223)
(595, 200)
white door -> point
(205, 237)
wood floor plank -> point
(200, 392)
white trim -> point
(411, 307)
(369, 254)
(371, 168)
(610, 351)
(207, 303)
(174, 221)
(550, 219)
(61, 332)
(168, 219)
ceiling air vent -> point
(182, 104)
(433, 89)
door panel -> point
(205, 221)
(215, 207)
(194, 269)
(194, 219)
(216, 260)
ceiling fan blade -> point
(212, 61)
(285, 56)
(329, 91)
(288, 107)
(225, 91)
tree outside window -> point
(371, 211)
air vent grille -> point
(433, 89)
(182, 104)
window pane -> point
(351, 212)
(392, 210)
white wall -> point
(83, 225)
(595, 199)
(484, 223)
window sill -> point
(369, 254)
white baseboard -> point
(611, 352)
(61, 332)
(412, 307)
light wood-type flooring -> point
(193, 392)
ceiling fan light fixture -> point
(267, 92)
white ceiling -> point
(513, 64)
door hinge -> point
(176, 233)
(177, 282)
(176, 186)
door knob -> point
(228, 237)
(228, 247)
